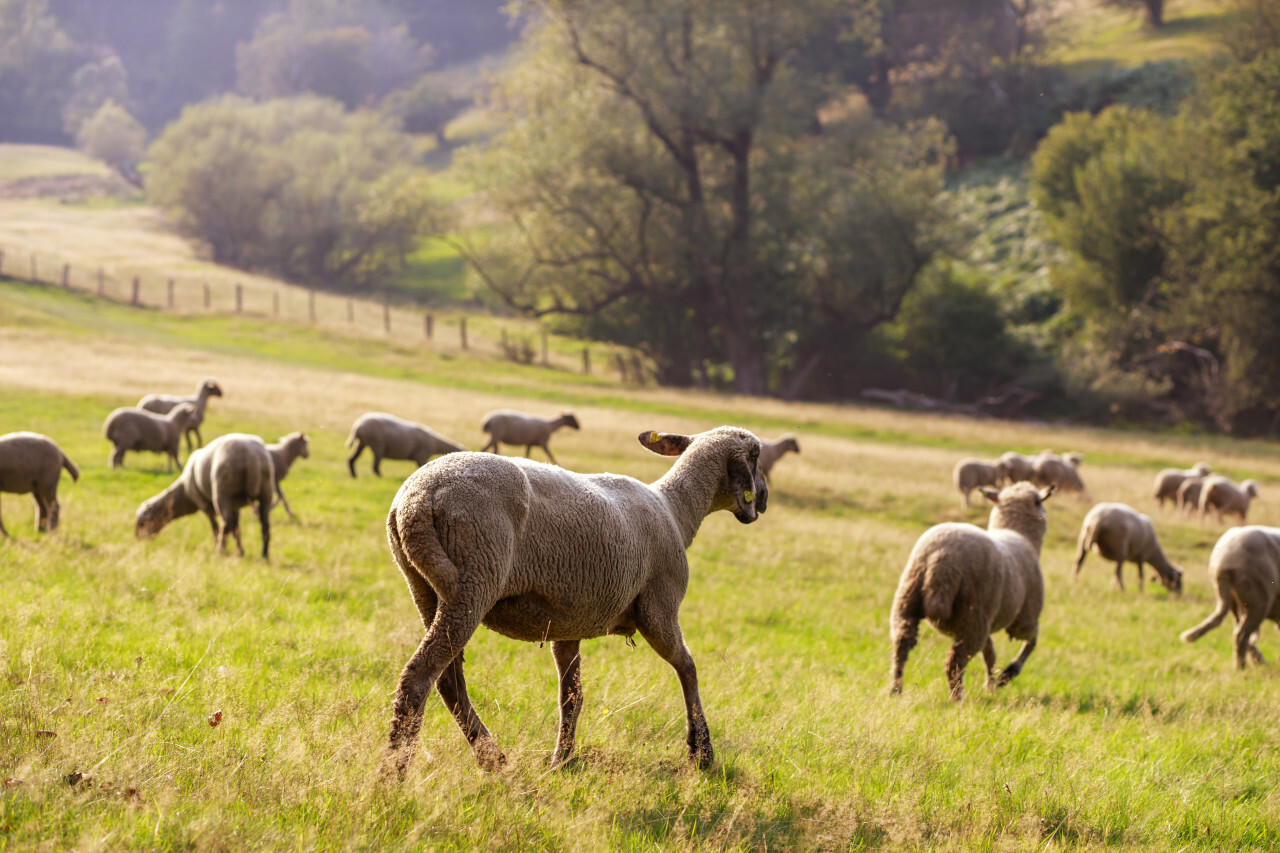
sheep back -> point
(971, 473)
(512, 427)
(138, 429)
(394, 438)
(231, 471)
(31, 462)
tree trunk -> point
(1155, 12)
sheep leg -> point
(377, 462)
(1246, 632)
(491, 444)
(117, 457)
(1215, 618)
(568, 665)
(1120, 575)
(989, 658)
(3, 532)
(547, 450)
(962, 651)
(528, 448)
(285, 502)
(42, 512)
(668, 641)
(264, 521)
(351, 463)
(452, 687)
(905, 633)
(187, 433)
(1011, 671)
(1082, 551)
(232, 517)
(1141, 579)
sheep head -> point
(788, 442)
(210, 388)
(1201, 469)
(742, 488)
(182, 414)
(570, 420)
(1250, 488)
(301, 438)
(153, 515)
(1019, 507)
(1173, 582)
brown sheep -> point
(1170, 480)
(138, 429)
(31, 463)
(284, 453)
(1122, 534)
(1245, 570)
(1061, 471)
(1017, 468)
(970, 474)
(1189, 494)
(772, 451)
(1226, 498)
(511, 427)
(162, 404)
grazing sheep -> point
(389, 437)
(32, 463)
(1017, 468)
(537, 553)
(510, 427)
(1245, 570)
(161, 404)
(969, 583)
(772, 451)
(283, 454)
(1122, 534)
(1189, 494)
(1170, 480)
(137, 429)
(1226, 498)
(228, 473)
(970, 474)
(1062, 471)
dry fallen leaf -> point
(215, 718)
(46, 733)
(103, 700)
(77, 777)
(12, 783)
(166, 690)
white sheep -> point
(1189, 494)
(1017, 468)
(772, 451)
(389, 437)
(162, 404)
(31, 463)
(538, 554)
(283, 454)
(138, 429)
(1063, 471)
(1122, 534)
(1226, 498)
(1245, 571)
(969, 583)
(230, 472)
(970, 474)
(510, 427)
(1170, 480)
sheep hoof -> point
(702, 758)
(489, 756)
(560, 761)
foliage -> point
(36, 62)
(299, 187)
(114, 137)
(428, 104)
(93, 84)
(1255, 28)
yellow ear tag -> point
(654, 438)
(749, 497)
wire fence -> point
(256, 297)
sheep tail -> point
(415, 544)
(940, 590)
(487, 425)
(71, 467)
(1087, 534)
(1219, 613)
(351, 439)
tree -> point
(659, 166)
(114, 137)
(1153, 8)
(92, 85)
(36, 61)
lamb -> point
(137, 429)
(970, 474)
(1226, 498)
(1049, 469)
(537, 553)
(1017, 468)
(31, 463)
(230, 472)
(1245, 569)
(283, 454)
(161, 404)
(389, 437)
(969, 583)
(1122, 534)
(772, 451)
(1189, 494)
(510, 427)
(1170, 480)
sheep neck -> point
(690, 488)
(1023, 520)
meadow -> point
(1116, 734)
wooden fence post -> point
(275, 303)
(586, 360)
(102, 282)
(462, 330)
(207, 296)
(311, 304)
(66, 276)
(428, 324)
(386, 313)
(169, 300)
(137, 283)
(239, 298)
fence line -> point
(302, 305)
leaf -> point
(46, 733)
(13, 783)
(103, 700)
(215, 718)
(77, 778)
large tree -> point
(664, 175)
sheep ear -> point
(665, 443)
(990, 494)
(1047, 492)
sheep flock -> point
(542, 554)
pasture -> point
(1115, 734)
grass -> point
(1097, 33)
(1115, 735)
(46, 161)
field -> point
(1116, 734)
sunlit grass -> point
(1095, 32)
(44, 161)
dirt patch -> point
(70, 188)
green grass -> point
(1115, 735)
(1120, 35)
(44, 161)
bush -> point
(114, 137)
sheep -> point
(772, 451)
(1049, 469)
(1189, 494)
(138, 429)
(389, 437)
(1017, 468)
(161, 404)
(1226, 498)
(283, 454)
(1122, 534)
(32, 463)
(511, 427)
(969, 583)
(1245, 569)
(1170, 480)
(538, 554)
(230, 472)
(970, 474)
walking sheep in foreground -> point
(1170, 480)
(228, 473)
(970, 583)
(1062, 471)
(31, 463)
(772, 451)
(1017, 468)
(283, 454)
(509, 427)
(1226, 498)
(389, 437)
(162, 404)
(970, 474)
(539, 554)
(1122, 534)
(1245, 570)
(137, 429)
